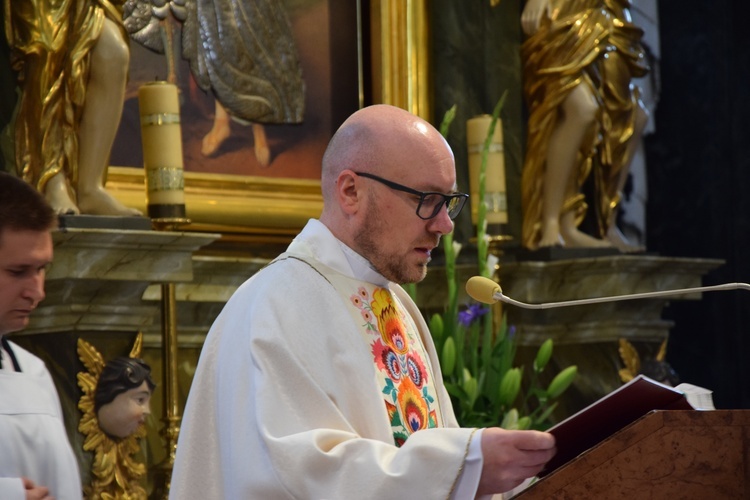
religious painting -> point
(290, 76)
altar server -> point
(36, 460)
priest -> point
(319, 378)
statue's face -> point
(126, 412)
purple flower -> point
(471, 313)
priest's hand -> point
(34, 492)
(512, 456)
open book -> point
(619, 408)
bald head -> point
(380, 139)
(375, 168)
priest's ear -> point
(348, 192)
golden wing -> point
(630, 359)
(662, 354)
(135, 352)
(90, 357)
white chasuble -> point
(290, 396)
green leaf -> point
(546, 413)
(411, 289)
(510, 419)
(448, 359)
(448, 118)
(471, 388)
(509, 386)
(437, 327)
(524, 423)
(562, 381)
(543, 355)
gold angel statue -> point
(72, 61)
(114, 404)
(585, 118)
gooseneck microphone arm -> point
(487, 291)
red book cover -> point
(598, 421)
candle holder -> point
(162, 157)
(487, 155)
(169, 350)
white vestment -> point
(33, 441)
(284, 402)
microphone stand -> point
(498, 296)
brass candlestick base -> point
(169, 223)
(497, 242)
(171, 418)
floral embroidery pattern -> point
(399, 359)
(391, 327)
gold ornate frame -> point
(272, 207)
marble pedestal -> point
(556, 281)
(98, 277)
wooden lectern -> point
(666, 454)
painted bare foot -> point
(619, 241)
(59, 196)
(551, 234)
(99, 202)
(215, 137)
(262, 151)
(574, 238)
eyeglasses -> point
(430, 202)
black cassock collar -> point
(6, 347)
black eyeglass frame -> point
(447, 198)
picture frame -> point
(385, 60)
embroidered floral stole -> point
(402, 365)
(400, 361)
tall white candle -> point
(162, 149)
(495, 192)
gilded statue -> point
(72, 59)
(585, 118)
(114, 404)
(242, 51)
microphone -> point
(487, 291)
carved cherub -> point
(657, 368)
(114, 404)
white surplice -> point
(284, 402)
(33, 441)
